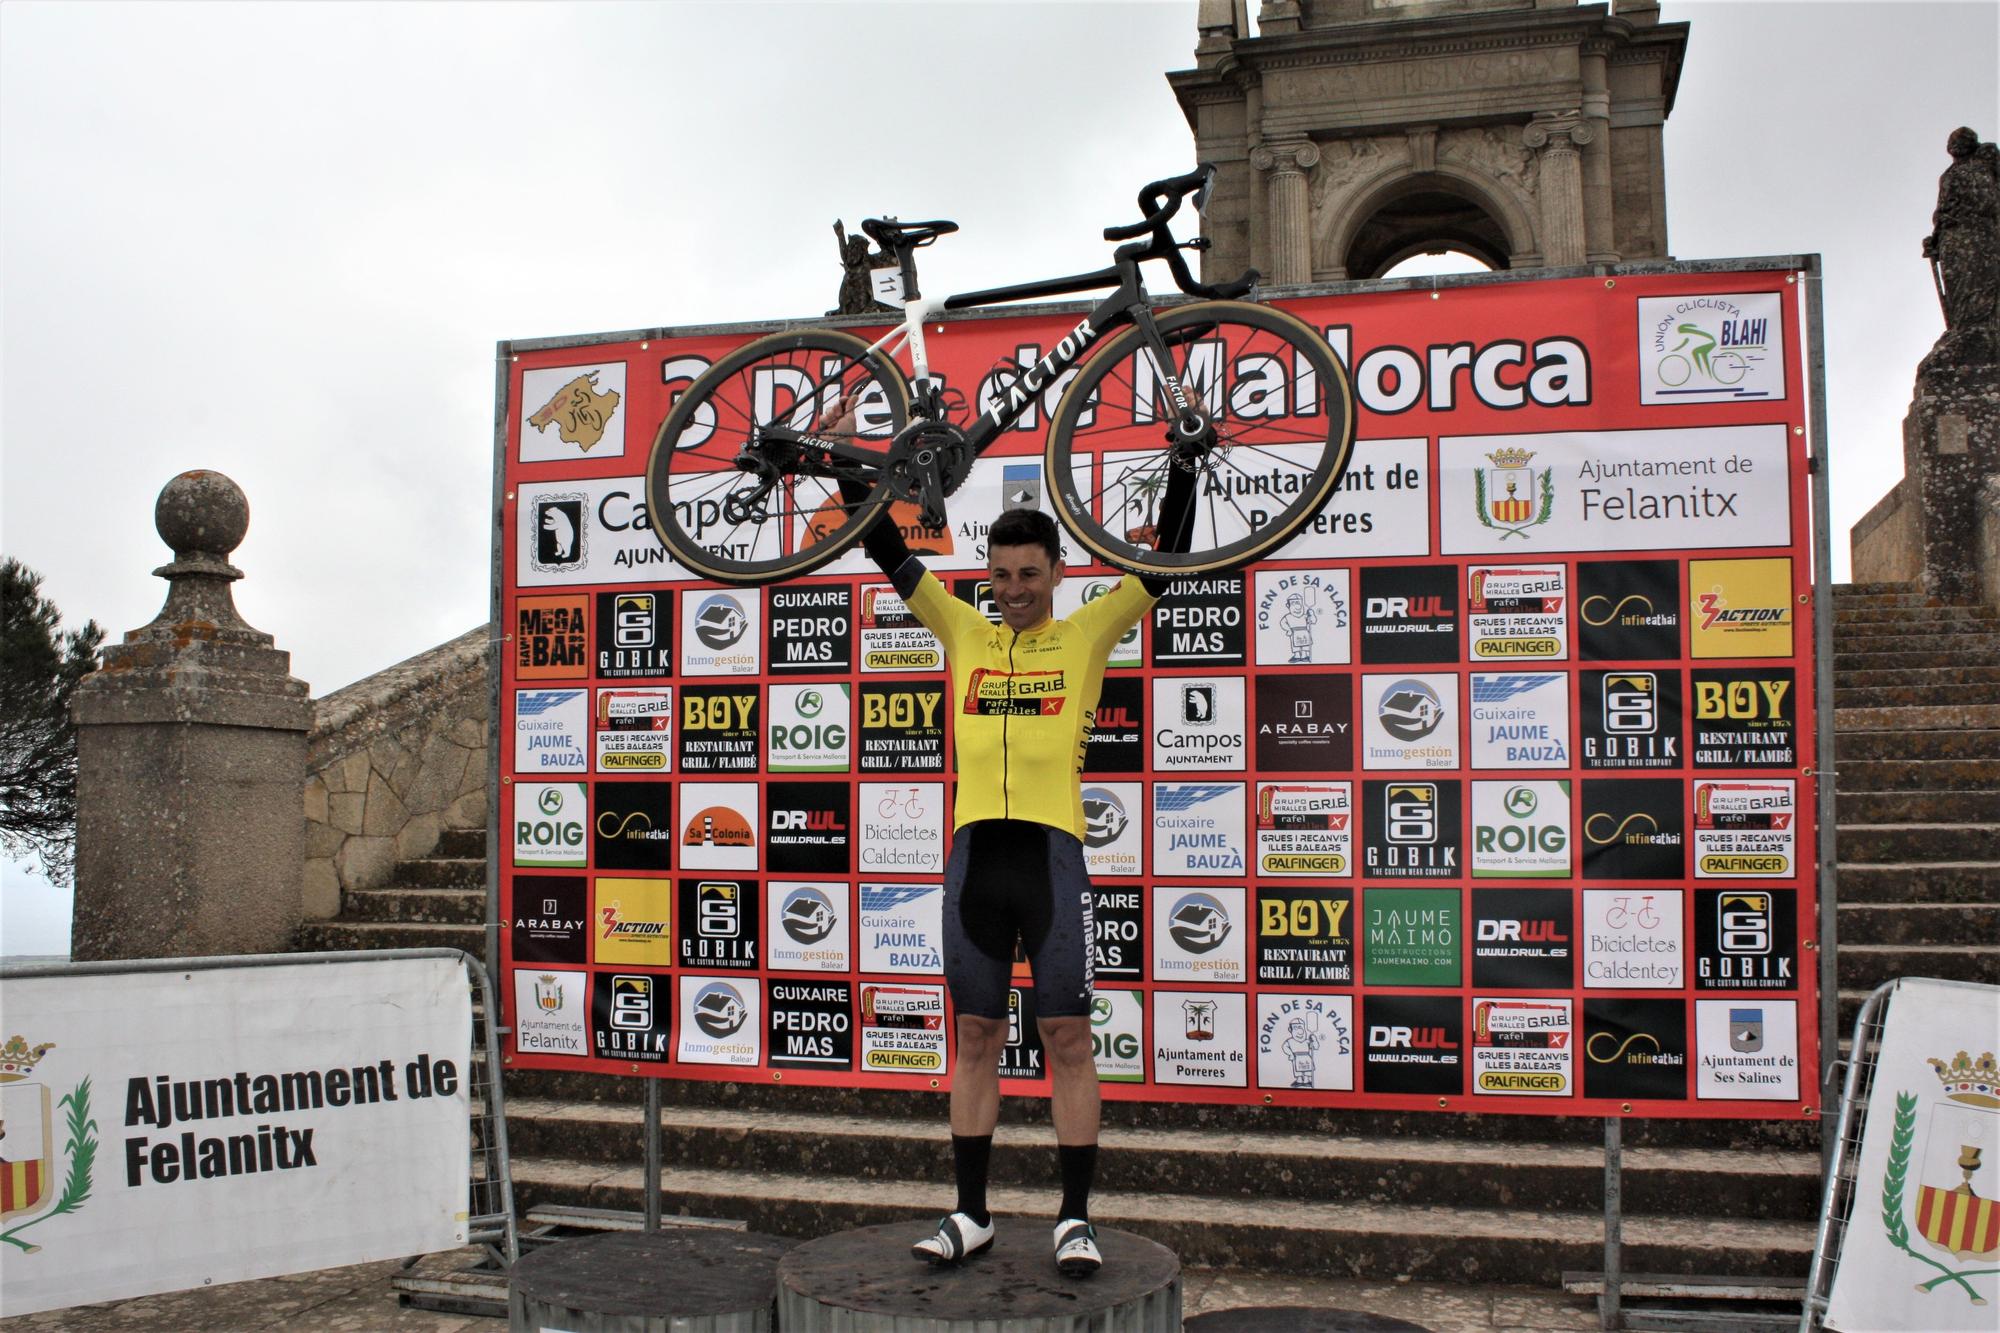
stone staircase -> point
(1374, 1195)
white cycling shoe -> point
(1076, 1248)
(957, 1237)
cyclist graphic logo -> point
(1711, 349)
(1512, 496)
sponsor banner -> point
(718, 923)
(1409, 721)
(1198, 828)
(719, 824)
(1691, 488)
(808, 931)
(902, 1028)
(549, 819)
(1523, 939)
(1305, 1042)
(1200, 622)
(631, 1017)
(1413, 1044)
(633, 921)
(902, 928)
(591, 530)
(1746, 939)
(1520, 830)
(1305, 828)
(1118, 1035)
(1410, 830)
(633, 828)
(1117, 919)
(1409, 613)
(719, 1020)
(1628, 610)
(635, 730)
(635, 634)
(891, 637)
(1632, 940)
(1412, 937)
(552, 637)
(808, 831)
(1517, 613)
(808, 728)
(1302, 617)
(1305, 723)
(1198, 722)
(1021, 1054)
(1305, 936)
(902, 728)
(550, 730)
(1745, 829)
(1113, 834)
(1079, 590)
(1633, 828)
(719, 725)
(1199, 1038)
(1198, 934)
(1743, 717)
(571, 413)
(902, 828)
(810, 629)
(811, 1024)
(1383, 507)
(1635, 1049)
(1631, 719)
(1740, 608)
(978, 593)
(1522, 1047)
(549, 920)
(1711, 349)
(719, 632)
(551, 1014)
(1519, 719)
(1116, 742)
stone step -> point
(1923, 675)
(444, 906)
(461, 842)
(1885, 614)
(1954, 717)
(1843, 592)
(1327, 1168)
(1884, 653)
(1488, 1245)
(1920, 882)
(1949, 693)
(343, 934)
(441, 872)
(1918, 923)
(1867, 965)
(1917, 744)
(1982, 642)
(1918, 842)
(1855, 773)
(1918, 807)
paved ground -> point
(358, 1300)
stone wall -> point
(1886, 544)
(1988, 539)
(392, 761)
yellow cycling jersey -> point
(1023, 703)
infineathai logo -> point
(1711, 349)
(559, 529)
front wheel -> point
(759, 526)
(1281, 429)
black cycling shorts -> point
(1010, 881)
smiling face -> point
(1024, 582)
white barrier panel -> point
(1924, 1237)
(165, 1130)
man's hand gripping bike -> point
(745, 481)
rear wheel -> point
(778, 521)
(1281, 416)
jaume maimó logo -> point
(28, 1158)
(1510, 495)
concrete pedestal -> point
(696, 1280)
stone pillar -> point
(1951, 450)
(191, 754)
(1556, 137)
(1290, 207)
(1599, 221)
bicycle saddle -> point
(892, 235)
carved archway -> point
(1402, 212)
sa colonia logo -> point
(28, 1158)
(1510, 495)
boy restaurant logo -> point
(29, 1161)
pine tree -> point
(40, 666)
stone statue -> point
(857, 288)
(1964, 247)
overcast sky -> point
(281, 241)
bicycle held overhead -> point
(745, 480)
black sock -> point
(1079, 1164)
(969, 1155)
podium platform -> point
(867, 1279)
(689, 1280)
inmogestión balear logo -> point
(1199, 923)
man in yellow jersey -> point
(1024, 693)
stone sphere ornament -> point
(202, 512)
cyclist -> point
(1025, 693)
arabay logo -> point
(1199, 923)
